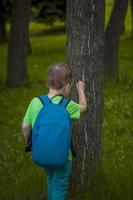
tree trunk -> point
(29, 47)
(18, 43)
(3, 35)
(112, 37)
(123, 28)
(85, 29)
(132, 18)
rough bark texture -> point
(112, 37)
(18, 43)
(85, 29)
(132, 18)
(3, 35)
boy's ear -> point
(67, 86)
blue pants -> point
(57, 180)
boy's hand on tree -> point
(82, 98)
(80, 86)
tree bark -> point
(18, 43)
(132, 18)
(3, 34)
(112, 38)
(29, 47)
(85, 30)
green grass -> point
(20, 178)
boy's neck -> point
(53, 92)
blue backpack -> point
(51, 134)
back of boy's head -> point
(59, 75)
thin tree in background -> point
(18, 43)
(112, 38)
(3, 34)
(132, 17)
(85, 30)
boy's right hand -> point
(82, 98)
(80, 86)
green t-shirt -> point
(35, 106)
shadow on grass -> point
(55, 30)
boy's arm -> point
(27, 122)
(82, 97)
(26, 129)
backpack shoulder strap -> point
(65, 102)
(44, 99)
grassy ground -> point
(19, 178)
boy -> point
(59, 84)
